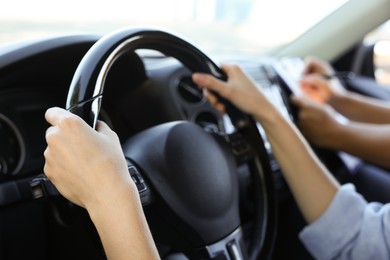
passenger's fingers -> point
(306, 87)
(299, 101)
(313, 79)
(309, 66)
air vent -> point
(189, 91)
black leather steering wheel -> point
(187, 178)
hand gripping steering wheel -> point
(191, 174)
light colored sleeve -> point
(350, 228)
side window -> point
(381, 39)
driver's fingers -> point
(231, 69)
(214, 101)
(55, 114)
(104, 129)
(209, 82)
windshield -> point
(217, 26)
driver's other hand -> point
(314, 65)
(318, 123)
(239, 89)
(85, 165)
(321, 90)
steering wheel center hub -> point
(193, 174)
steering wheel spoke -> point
(241, 148)
(144, 191)
(231, 247)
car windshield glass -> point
(218, 26)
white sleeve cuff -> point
(334, 229)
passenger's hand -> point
(321, 90)
(86, 166)
(315, 65)
(239, 89)
(318, 123)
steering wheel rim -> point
(87, 84)
(86, 93)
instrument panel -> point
(22, 129)
(12, 148)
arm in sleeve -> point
(350, 228)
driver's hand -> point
(318, 123)
(239, 89)
(86, 166)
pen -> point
(343, 75)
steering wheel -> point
(186, 177)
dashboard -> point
(145, 89)
(142, 89)
(32, 83)
(22, 129)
